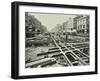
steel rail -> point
(62, 52)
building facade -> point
(81, 24)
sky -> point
(51, 20)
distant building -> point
(81, 24)
(58, 29)
(65, 27)
(68, 25)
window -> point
(83, 26)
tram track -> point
(82, 62)
(62, 52)
(71, 55)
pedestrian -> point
(66, 38)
